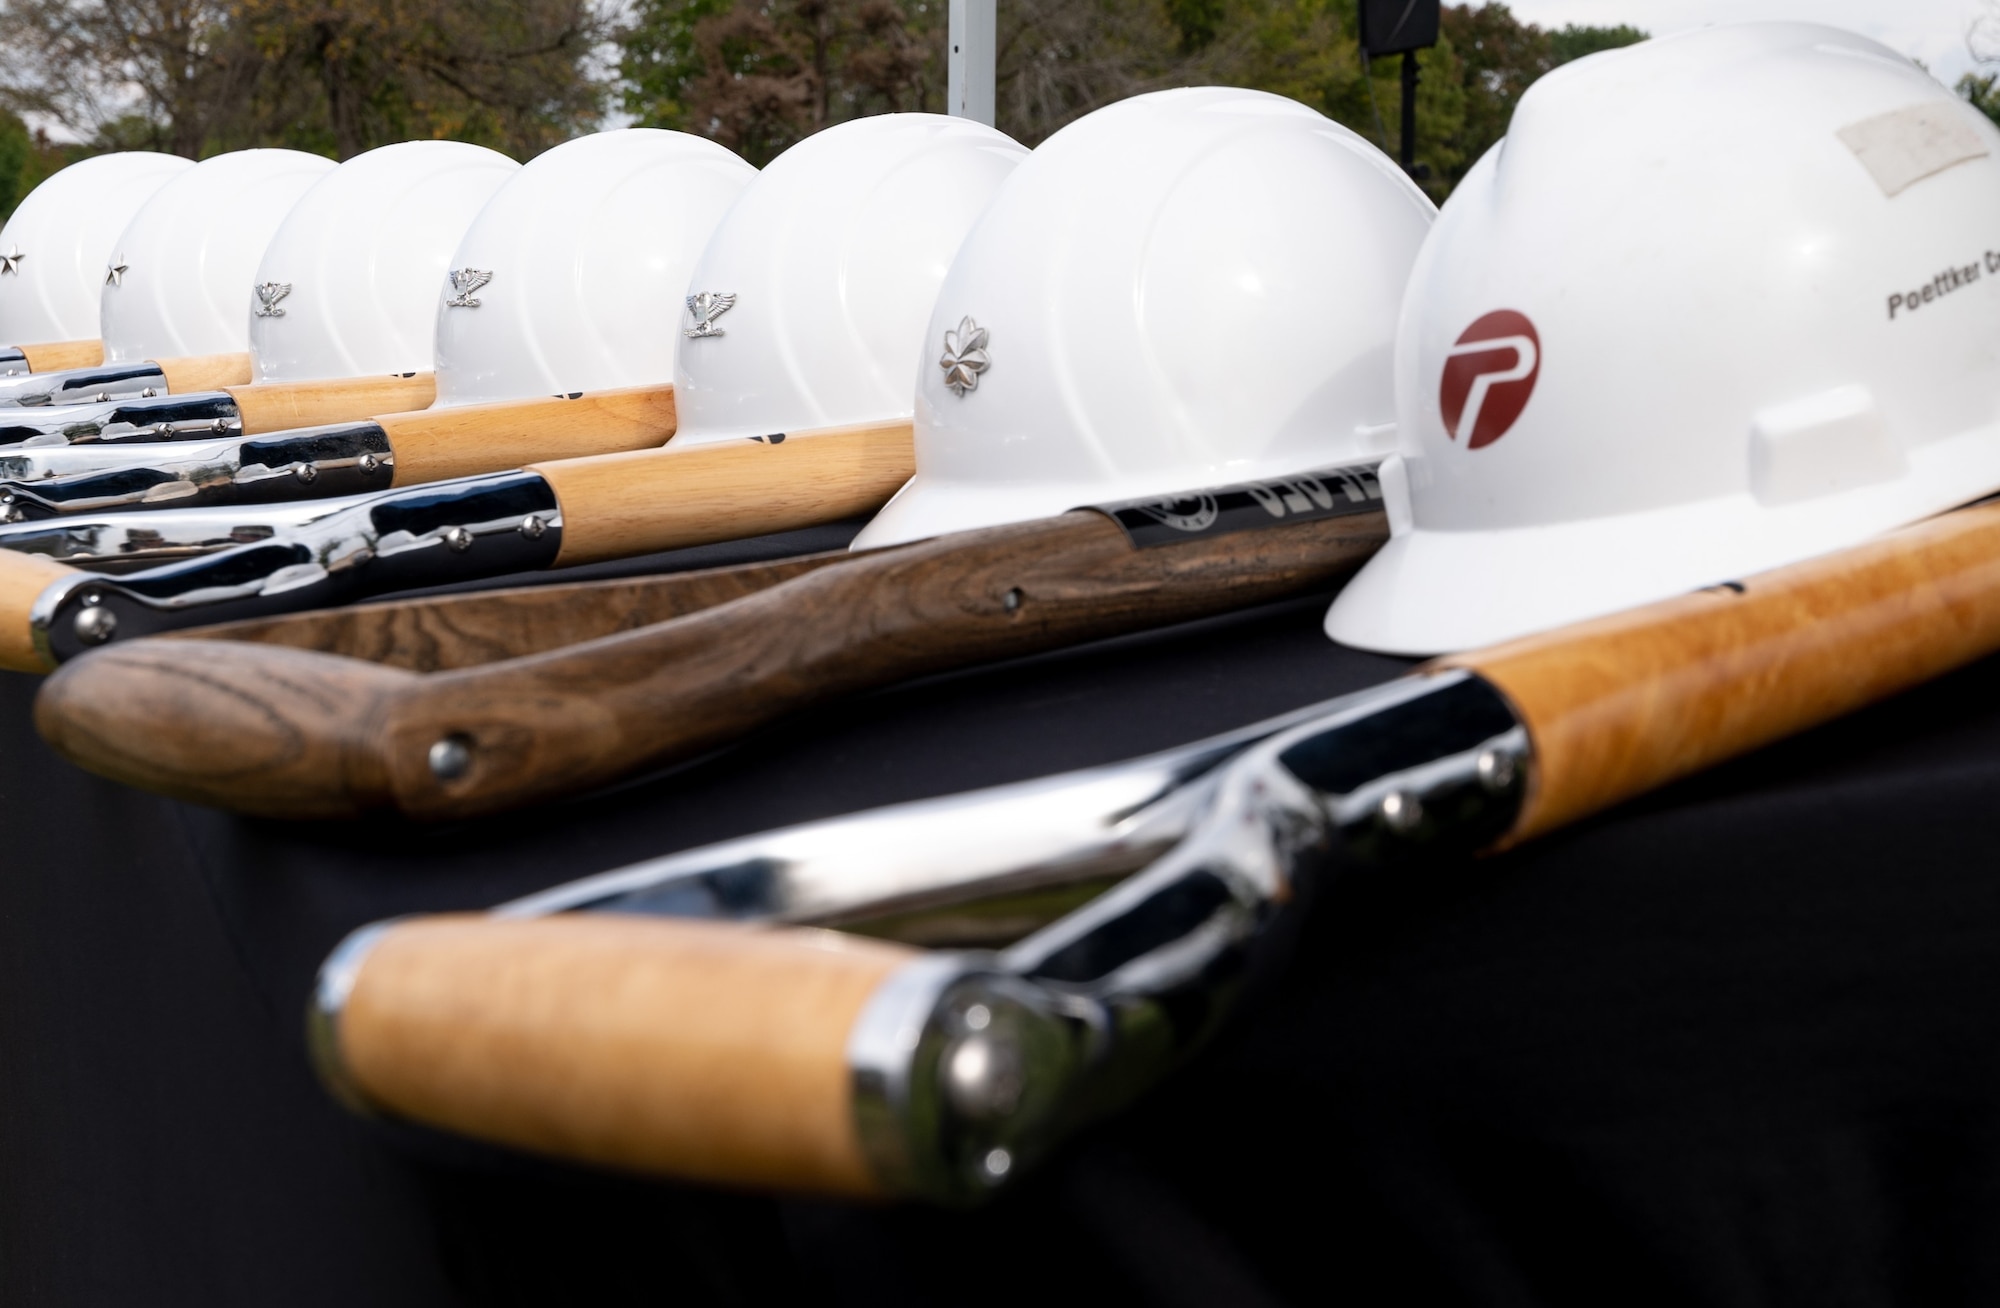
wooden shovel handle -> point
(205, 372)
(469, 439)
(279, 406)
(702, 1050)
(441, 632)
(53, 356)
(576, 717)
(23, 578)
(1626, 703)
(619, 505)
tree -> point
(339, 76)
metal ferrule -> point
(201, 415)
(304, 463)
(128, 542)
(107, 381)
(425, 536)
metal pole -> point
(1409, 143)
(969, 69)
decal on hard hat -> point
(964, 357)
(464, 281)
(268, 295)
(1488, 376)
(705, 307)
(1280, 501)
(1904, 146)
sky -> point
(1929, 30)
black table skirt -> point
(1738, 1043)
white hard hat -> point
(826, 269)
(572, 276)
(54, 249)
(348, 286)
(1719, 302)
(175, 282)
(1181, 290)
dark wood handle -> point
(1622, 704)
(441, 632)
(291, 733)
(702, 1050)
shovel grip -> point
(713, 1052)
(472, 439)
(205, 372)
(280, 406)
(1622, 704)
(23, 578)
(53, 356)
(619, 505)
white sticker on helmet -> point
(1904, 146)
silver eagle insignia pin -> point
(705, 307)
(964, 357)
(268, 295)
(10, 262)
(464, 281)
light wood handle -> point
(470, 439)
(1622, 704)
(713, 1052)
(280, 406)
(619, 505)
(205, 372)
(53, 356)
(23, 578)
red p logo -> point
(1488, 376)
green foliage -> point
(659, 62)
(1982, 92)
(1199, 21)
(1574, 42)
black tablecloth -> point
(1732, 1044)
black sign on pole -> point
(1398, 26)
(1401, 27)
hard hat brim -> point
(1439, 592)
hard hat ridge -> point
(356, 265)
(1185, 289)
(808, 306)
(1704, 235)
(572, 277)
(56, 243)
(184, 261)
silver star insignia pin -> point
(10, 262)
(114, 272)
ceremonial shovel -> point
(766, 1055)
(468, 704)
(558, 513)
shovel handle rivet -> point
(451, 758)
(458, 538)
(1011, 601)
(1401, 812)
(305, 472)
(95, 624)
